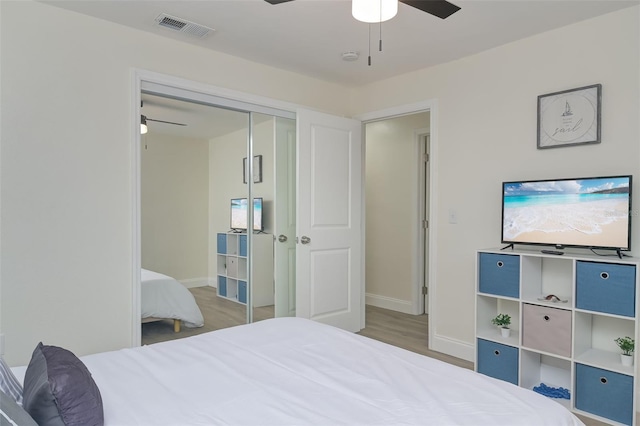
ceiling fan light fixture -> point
(143, 125)
(374, 11)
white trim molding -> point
(398, 305)
(452, 347)
(196, 282)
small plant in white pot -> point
(503, 321)
(627, 345)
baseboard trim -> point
(453, 347)
(390, 303)
(195, 282)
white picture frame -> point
(569, 117)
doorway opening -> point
(397, 208)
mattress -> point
(293, 371)
(164, 297)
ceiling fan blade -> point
(167, 122)
(440, 8)
(277, 1)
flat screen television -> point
(591, 212)
(239, 214)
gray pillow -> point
(8, 382)
(13, 414)
(59, 390)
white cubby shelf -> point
(568, 343)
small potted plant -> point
(503, 321)
(627, 345)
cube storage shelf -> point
(567, 343)
(232, 272)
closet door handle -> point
(305, 239)
(282, 238)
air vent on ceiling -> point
(182, 25)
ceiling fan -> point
(378, 11)
(440, 8)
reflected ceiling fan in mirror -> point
(379, 11)
(143, 122)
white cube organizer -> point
(565, 341)
(233, 275)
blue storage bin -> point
(242, 291)
(498, 361)
(243, 245)
(499, 274)
(222, 243)
(222, 286)
(606, 287)
(604, 393)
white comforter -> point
(164, 297)
(292, 371)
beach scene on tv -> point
(239, 214)
(585, 212)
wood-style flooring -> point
(406, 331)
(403, 330)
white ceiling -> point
(309, 36)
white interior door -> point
(329, 284)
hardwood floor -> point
(398, 329)
(403, 330)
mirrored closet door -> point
(202, 166)
(273, 189)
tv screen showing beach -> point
(591, 212)
(239, 215)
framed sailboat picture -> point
(570, 117)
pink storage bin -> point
(547, 329)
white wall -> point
(174, 198)
(67, 125)
(486, 134)
(392, 215)
(225, 177)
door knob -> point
(282, 238)
(305, 239)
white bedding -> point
(292, 371)
(165, 297)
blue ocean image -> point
(512, 201)
(567, 211)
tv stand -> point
(244, 231)
(621, 254)
(506, 247)
(232, 274)
(556, 252)
(568, 342)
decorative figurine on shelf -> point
(503, 321)
(627, 345)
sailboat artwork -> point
(569, 117)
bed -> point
(163, 297)
(293, 371)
